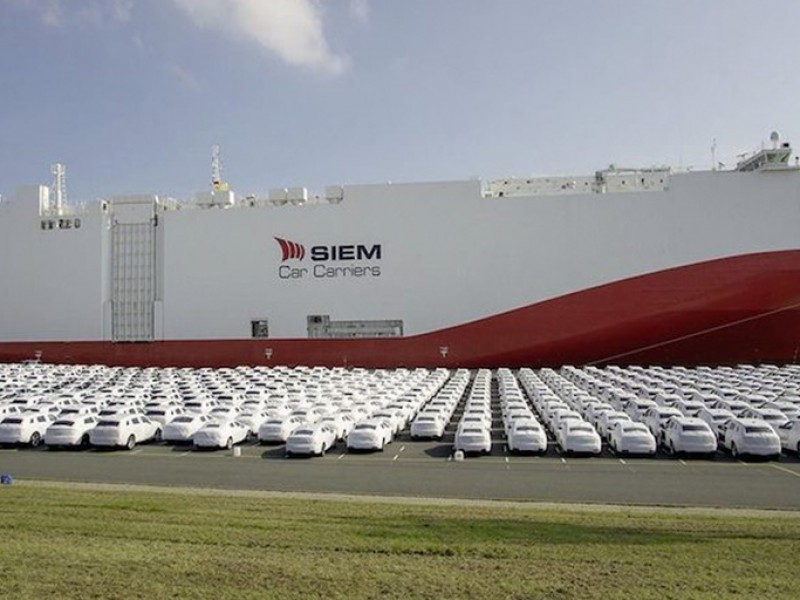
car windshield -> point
(108, 424)
(581, 428)
(12, 421)
(359, 427)
(155, 413)
(212, 426)
(183, 420)
(64, 423)
(633, 430)
(304, 432)
(528, 428)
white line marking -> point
(622, 461)
(395, 456)
(341, 456)
(683, 462)
(187, 453)
(506, 459)
(135, 452)
(563, 460)
(784, 469)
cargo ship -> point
(623, 266)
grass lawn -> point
(77, 543)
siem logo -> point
(291, 250)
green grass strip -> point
(78, 543)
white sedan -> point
(313, 439)
(370, 434)
(220, 434)
(689, 435)
(277, 429)
(428, 425)
(579, 438)
(181, 429)
(70, 431)
(527, 436)
(632, 438)
(125, 431)
(789, 433)
(473, 437)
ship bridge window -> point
(259, 328)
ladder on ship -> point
(133, 270)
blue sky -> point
(131, 94)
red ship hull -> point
(743, 309)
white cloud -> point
(58, 13)
(292, 29)
(360, 10)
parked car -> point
(428, 425)
(72, 430)
(632, 438)
(473, 437)
(716, 419)
(655, 419)
(370, 434)
(579, 438)
(689, 435)
(751, 437)
(527, 436)
(789, 433)
(220, 434)
(277, 429)
(27, 427)
(181, 429)
(316, 439)
(124, 431)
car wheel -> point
(157, 436)
(798, 448)
(36, 439)
(85, 441)
(229, 443)
(672, 448)
(131, 443)
(734, 450)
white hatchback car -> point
(25, 428)
(220, 434)
(751, 437)
(72, 430)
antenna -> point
(216, 169)
(59, 172)
(714, 154)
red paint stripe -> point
(738, 309)
(284, 249)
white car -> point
(689, 435)
(72, 430)
(656, 418)
(164, 414)
(473, 437)
(716, 419)
(579, 438)
(790, 436)
(527, 436)
(181, 429)
(124, 431)
(25, 428)
(428, 425)
(277, 429)
(312, 439)
(370, 434)
(341, 424)
(632, 438)
(254, 419)
(607, 421)
(220, 434)
(773, 416)
(751, 437)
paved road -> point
(425, 469)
